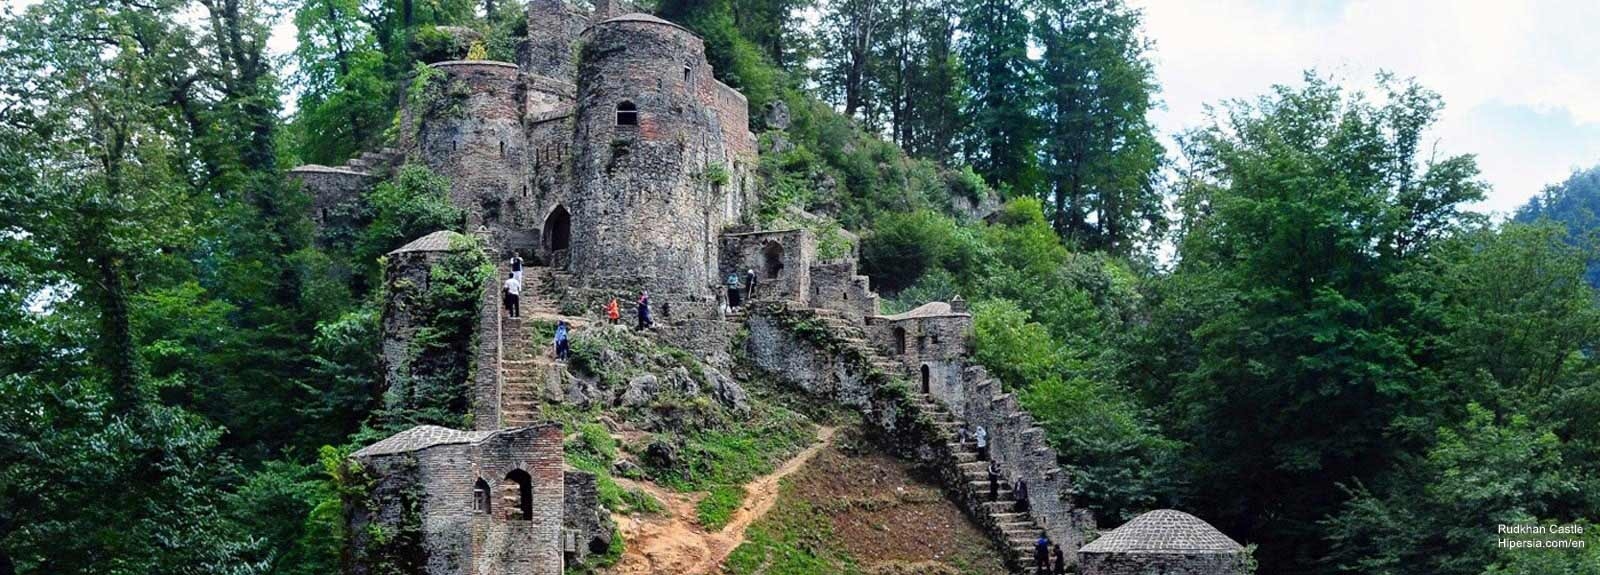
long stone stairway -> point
(1011, 528)
(529, 371)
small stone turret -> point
(471, 133)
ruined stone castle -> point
(613, 162)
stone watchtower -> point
(448, 502)
(1163, 541)
(658, 144)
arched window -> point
(925, 378)
(627, 114)
(900, 340)
(480, 496)
(519, 490)
(558, 229)
(772, 260)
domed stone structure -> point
(1163, 541)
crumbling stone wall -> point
(424, 498)
(406, 279)
(553, 30)
(335, 195)
(836, 285)
(587, 528)
(775, 347)
(476, 140)
(781, 259)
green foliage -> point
(435, 373)
(414, 204)
(792, 539)
(717, 507)
(1119, 461)
(738, 453)
(1575, 204)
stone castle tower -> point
(608, 150)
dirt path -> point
(674, 542)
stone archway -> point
(557, 233)
(772, 260)
(519, 495)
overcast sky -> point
(1520, 80)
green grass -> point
(737, 454)
(718, 506)
(793, 539)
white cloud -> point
(1519, 79)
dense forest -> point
(1292, 325)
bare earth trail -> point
(674, 542)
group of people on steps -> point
(511, 296)
(1043, 549)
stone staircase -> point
(375, 163)
(1011, 529)
(1000, 516)
(529, 371)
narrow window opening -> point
(926, 380)
(627, 114)
(502, 149)
(686, 73)
(480, 496)
(900, 340)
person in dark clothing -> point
(1061, 560)
(1041, 555)
(1020, 491)
(644, 310)
(994, 481)
(510, 293)
(563, 348)
(734, 301)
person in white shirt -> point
(513, 291)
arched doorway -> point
(900, 340)
(772, 260)
(519, 490)
(558, 230)
(926, 380)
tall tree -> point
(1004, 89)
(1295, 355)
(1100, 155)
(97, 472)
(850, 33)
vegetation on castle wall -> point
(435, 373)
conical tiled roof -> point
(435, 242)
(1164, 531)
